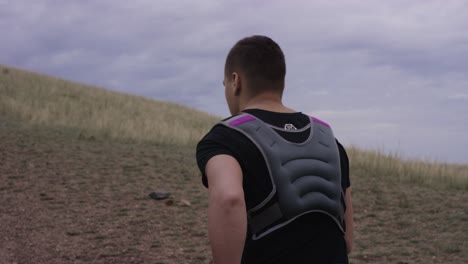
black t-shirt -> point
(312, 238)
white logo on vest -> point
(290, 127)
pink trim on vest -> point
(319, 121)
(241, 120)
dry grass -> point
(391, 167)
(96, 112)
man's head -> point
(255, 65)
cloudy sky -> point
(391, 75)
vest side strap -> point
(265, 218)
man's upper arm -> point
(227, 216)
(212, 145)
(225, 176)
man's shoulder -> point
(219, 132)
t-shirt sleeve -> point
(209, 147)
(345, 181)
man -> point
(278, 181)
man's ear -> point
(236, 83)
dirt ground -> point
(71, 198)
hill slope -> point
(96, 112)
(74, 183)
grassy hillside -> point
(92, 112)
(75, 178)
(95, 112)
(391, 167)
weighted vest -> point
(306, 177)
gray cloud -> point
(383, 73)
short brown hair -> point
(261, 60)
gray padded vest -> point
(306, 177)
